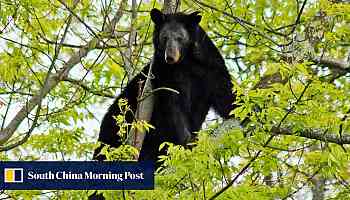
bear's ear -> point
(195, 18)
(157, 16)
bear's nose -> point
(172, 55)
(170, 60)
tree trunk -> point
(145, 107)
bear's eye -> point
(164, 38)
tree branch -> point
(129, 68)
(36, 100)
(333, 63)
(52, 82)
(338, 67)
(316, 134)
(265, 144)
(85, 87)
(145, 99)
(170, 6)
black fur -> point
(200, 76)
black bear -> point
(186, 60)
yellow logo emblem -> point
(13, 175)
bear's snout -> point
(172, 56)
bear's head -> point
(174, 35)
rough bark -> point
(146, 98)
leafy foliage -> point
(290, 66)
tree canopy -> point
(62, 62)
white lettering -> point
(30, 175)
(68, 175)
(109, 175)
(40, 176)
(134, 176)
(58, 175)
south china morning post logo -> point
(76, 175)
(87, 175)
(13, 175)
